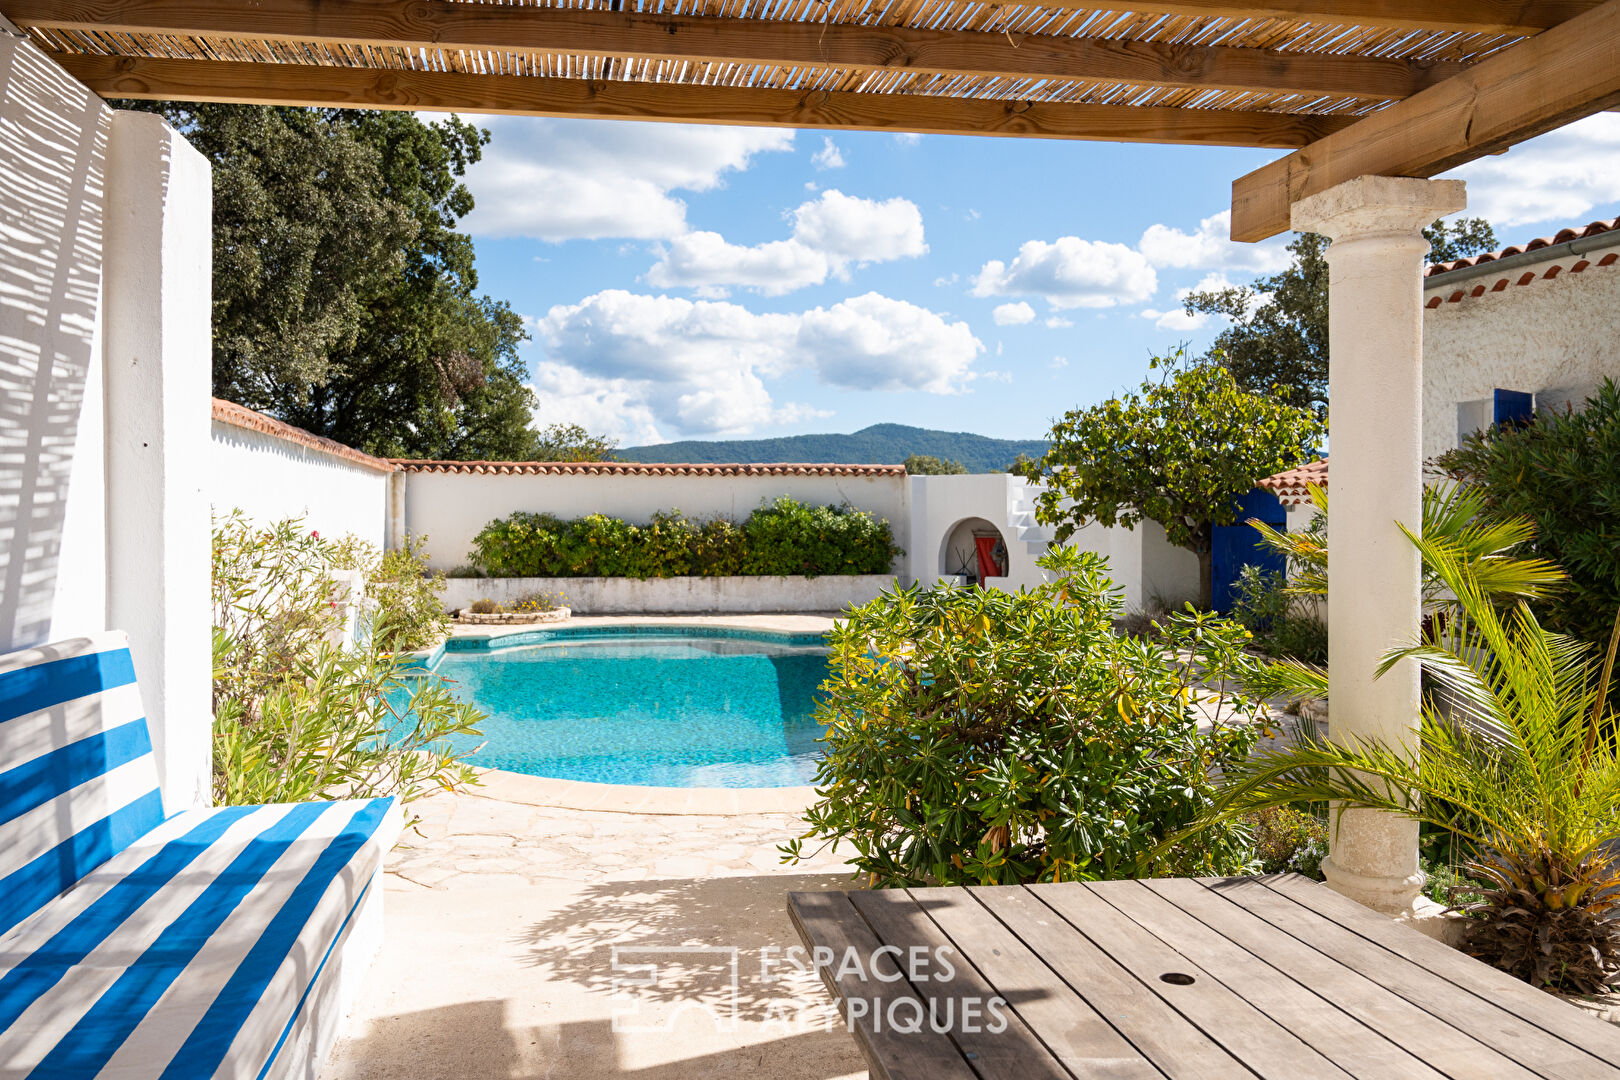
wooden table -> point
(1275, 977)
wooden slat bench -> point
(1273, 977)
(214, 942)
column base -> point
(1395, 897)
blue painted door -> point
(1237, 546)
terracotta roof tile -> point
(1291, 485)
(228, 412)
(1596, 228)
(642, 468)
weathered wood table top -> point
(1276, 977)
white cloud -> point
(1070, 273)
(941, 282)
(907, 138)
(851, 229)
(592, 179)
(997, 376)
(1058, 322)
(706, 262)
(1013, 314)
(1059, 362)
(831, 234)
(1211, 247)
(680, 367)
(1557, 178)
(1178, 319)
(828, 157)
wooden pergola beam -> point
(443, 24)
(521, 95)
(1569, 72)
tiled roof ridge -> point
(645, 468)
(229, 412)
(1562, 236)
(1292, 486)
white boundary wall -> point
(451, 508)
(680, 595)
(270, 478)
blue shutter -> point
(1513, 407)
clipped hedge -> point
(784, 539)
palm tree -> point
(1519, 764)
(1453, 517)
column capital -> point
(1370, 205)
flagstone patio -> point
(502, 923)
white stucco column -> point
(157, 296)
(1375, 383)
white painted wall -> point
(158, 353)
(53, 175)
(270, 479)
(1557, 339)
(104, 369)
(680, 595)
(451, 508)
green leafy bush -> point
(1275, 617)
(1287, 841)
(300, 715)
(784, 538)
(974, 736)
(1561, 471)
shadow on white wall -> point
(53, 148)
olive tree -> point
(1180, 450)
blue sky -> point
(705, 282)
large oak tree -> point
(345, 300)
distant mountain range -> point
(880, 444)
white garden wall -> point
(1554, 338)
(450, 508)
(272, 472)
(680, 595)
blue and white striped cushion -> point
(78, 781)
(197, 951)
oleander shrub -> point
(784, 538)
(979, 737)
(299, 713)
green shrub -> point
(1287, 840)
(787, 537)
(974, 736)
(928, 465)
(1273, 615)
(297, 716)
(783, 538)
(1561, 471)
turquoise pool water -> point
(686, 709)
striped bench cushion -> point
(78, 781)
(196, 950)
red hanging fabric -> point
(988, 567)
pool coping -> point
(513, 787)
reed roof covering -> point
(1269, 73)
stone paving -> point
(512, 931)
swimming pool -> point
(658, 706)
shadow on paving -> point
(683, 942)
(475, 1041)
